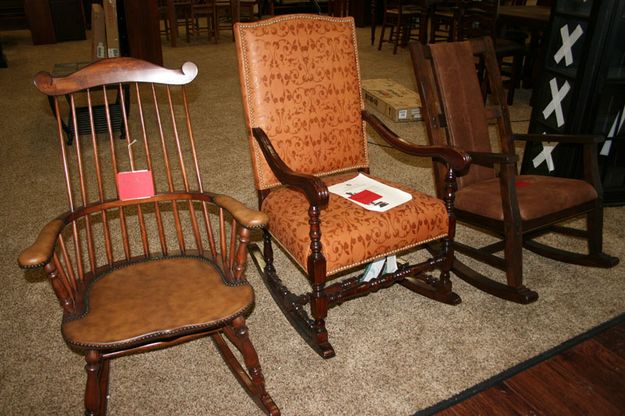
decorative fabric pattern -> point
(352, 235)
(301, 85)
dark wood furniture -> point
(444, 20)
(532, 21)
(583, 81)
(401, 18)
(139, 33)
(477, 18)
(516, 209)
(52, 21)
(162, 266)
(12, 15)
(305, 136)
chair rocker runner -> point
(517, 209)
(144, 258)
(302, 99)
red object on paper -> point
(521, 184)
(135, 185)
(365, 197)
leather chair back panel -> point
(311, 110)
(462, 103)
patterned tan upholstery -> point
(352, 235)
(312, 113)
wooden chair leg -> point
(594, 227)
(251, 380)
(398, 34)
(382, 30)
(96, 392)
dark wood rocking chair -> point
(302, 100)
(515, 208)
(154, 264)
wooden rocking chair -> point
(302, 99)
(515, 208)
(144, 258)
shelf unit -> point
(582, 90)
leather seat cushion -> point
(151, 299)
(537, 195)
(352, 235)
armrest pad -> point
(560, 138)
(457, 159)
(249, 218)
(489, 159)
(316, 191)
(40, 252)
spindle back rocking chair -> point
(145, 257)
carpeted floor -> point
(397, 352)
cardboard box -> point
(98, 32)
(112, 33)
(395, 101)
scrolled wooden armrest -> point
(316, 191)
(41, 251)
(247, 217)
(457, 159)
(560, 138)
(490, 159)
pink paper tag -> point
(365, 197)
(135, 185)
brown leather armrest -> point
(40, 252)
(314, 188)
(457, 159)
(247, 217)
(560, 138)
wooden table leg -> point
(173, 24)
(373, 23)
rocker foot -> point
(291, 306)
(521, 294)
(443, 295)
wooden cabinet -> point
(582, 90)
(55, 20)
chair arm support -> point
(247, 217)
(316, 191)
(41, 251)
(457, 159)
(589, 142)
(490, 159)
(560, 138)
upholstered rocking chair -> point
(303, 106)
(144, 258)
(516, 209)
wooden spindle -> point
(170, 182)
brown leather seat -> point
(537, 196)
(147, 300)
